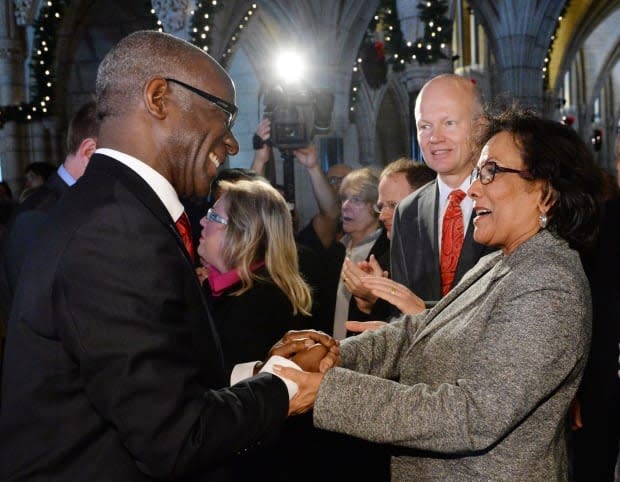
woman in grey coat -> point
(478, 387)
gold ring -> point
(393, 291)
(344, 279)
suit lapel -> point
(137, 186)
(429, 218)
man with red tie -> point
(113, 370)
(432, 243)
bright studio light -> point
(289, 66)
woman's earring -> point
(543, 220)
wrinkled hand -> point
(306, 156)
(351, 275)
(372, 267)
(394, 293)
(294, 342)
(360, 326)
(308, 384)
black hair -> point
(554, 152)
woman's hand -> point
(360, 326)
(308, 384)
(352, 278)
(398, 295)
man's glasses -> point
(486, 172)
(388, 206)
(335, 180)
(226, 107)
(215, 217)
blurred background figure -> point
(397, 180)
(32, 212)
(35, 175)
(363, 237)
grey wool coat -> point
(478, 387)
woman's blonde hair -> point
(260, 228)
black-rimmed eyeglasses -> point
(215, 217)
(486, 172)
(225, 106)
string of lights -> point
(545, 67)
(384, 45)
(202, 24)
(42, 75)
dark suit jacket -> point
(24, 227)
(414, 254)
(113, 369)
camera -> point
(297, 115)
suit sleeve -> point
(150, 362)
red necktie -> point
(452, 235)
(185, 230)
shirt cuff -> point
(291, 386)
(241, 371)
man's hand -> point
(294, 342)
(360, 326)
(308, 384)
(263, 130)
(307, 156)
(394, 293)
(309, 358)
(262, 155)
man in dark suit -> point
(31, 214)
(448, 112)
(113, 369)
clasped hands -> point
(315, 352)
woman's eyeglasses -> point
(486, 172)
(215, 217)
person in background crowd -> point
(478, 387)
(31, 214)
(254, 289)
(35, 175)
(397, 180)
(423, 257)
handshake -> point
(315, 353)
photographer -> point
(323, 229)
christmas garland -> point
(42, 76)
(384, 45)
(202, 23)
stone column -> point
(11, 92)
(519, 32)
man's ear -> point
(155, 97)
(87, 147)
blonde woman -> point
(254, 286)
